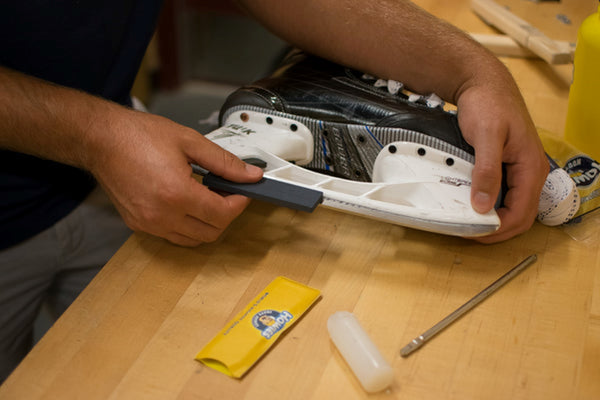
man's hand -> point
(496, 123)
(141, 160)
(398, 40)
(147, 175)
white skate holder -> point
(413, 185)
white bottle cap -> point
(361, 354)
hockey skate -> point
(369, 146)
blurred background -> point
(202, 51)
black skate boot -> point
(369, 145)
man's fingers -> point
(486, 182)
(488, 136)
(181, 240)
(222, 163)
(487, 172)
(516, 217)
(192, 231)
(207, 219)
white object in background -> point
(521, 31)
(361, 354)
(506, 46)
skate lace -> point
(397, 88)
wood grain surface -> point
(135, 330)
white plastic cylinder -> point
(361, 354)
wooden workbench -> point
(135, 330)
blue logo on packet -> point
(583, 170)
(269, 322)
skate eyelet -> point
(325, 132)
(294, 127)
(392, 149)
(421, 151)
(361, 139)
(449, 162)
(269, 120)
(244, 117)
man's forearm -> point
(49, 121)
(389, 39)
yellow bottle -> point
(583, 116)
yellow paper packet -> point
(245, 338)
(584, 170)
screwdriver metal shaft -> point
(485, 293)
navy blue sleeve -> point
(91, 45)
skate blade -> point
(412, 189)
